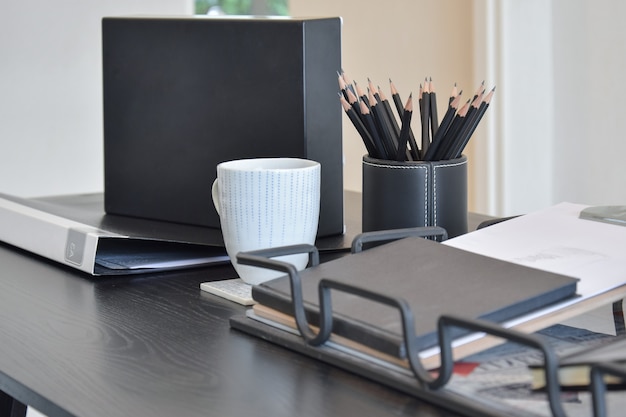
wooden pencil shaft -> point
(381, 125)
(425, 122)
(459, 135)
(391, 117)
(371, 127)
(365, 136)
(434, 118)
(447, 141)
(470, 131)
(437, 138)
(414, 149)
(404, 132)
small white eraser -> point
(231, 289)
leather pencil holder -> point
(397, 195)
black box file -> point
(182, 94)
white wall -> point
(590, 92)
(557, 134)
(50, 91)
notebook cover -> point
(434, 279)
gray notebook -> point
(434, 279)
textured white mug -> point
(266, 203)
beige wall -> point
(405, 40)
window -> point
(243, 7)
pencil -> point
(348, 82)
(394, 127)
(397, 101)
(480, 90)
(368, 121)
(457, 139)
(425, 113)
(385, 102)
(370, 86)
(434, 118)
(443, 128)
(353, 101)
(342, 85)
(448, 139)
(360, 127)
(467, 134)
(453, 95)
(381, 124)
(404, 132)
(361, 94)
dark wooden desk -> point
(156, 345)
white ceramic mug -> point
(266, 203)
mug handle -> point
(215, 195)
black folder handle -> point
(393, 234)
(261, 258)
(550, 361)
(598, 386)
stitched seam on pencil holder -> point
(435, 185)
(397, 166)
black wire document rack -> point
(315, 335)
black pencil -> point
(361, 94)
(425, 113)
(434, 117)
(397, 101)
(479, 91)
(360, 127)
(369, 123)
(404, 131)
(342, 85)
(467, 133)
(372, 88)
(354, 102)
(392, 119)
(453, 94)
(348, 82)
(457, 139)
(447, 140)
(443, 128)
(382, 125)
